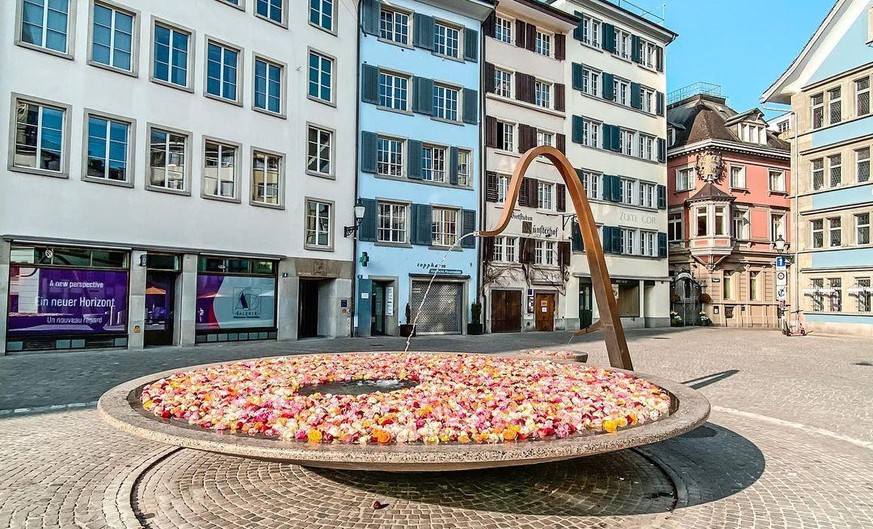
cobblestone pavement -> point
(789, 445)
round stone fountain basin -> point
(122, 407)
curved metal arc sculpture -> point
(616, 343)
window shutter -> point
(615, 132)
(577, 76)
(471, 45)
(370, 12)
(616, 189)
(560, 47)
(559, 97)
(422, 95)
(576, 238)
(489, 24)
(607, 136)
(369, 84)
(561, 198)
(422, 31)
(471, 106)
(662, 244)
(422, 225)
(519, 33)
(608, 91)
(662, 197)
(636, 96)
(607, 239)
(367, 230)
(662, 150)
(561, 143)
(576, 133)
(369, 146)
(609, 38)
(413, 155)
(532, 188)
(490, 131)
(524, 134)
(453, 166)
(577, 31)
(659, 103)
(616, 240)
(488, 249)
(490, 186)
(531, 38)
(469, 227)
(611, 188)
(488, 83)
(522, 194)
(659, 59)
(526, 251)
(521, 87)
(563, 253)
(636, 49)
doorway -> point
(159, 308)
(379, 308)
(505, 311)
(308, 310)
(544, 306)
(586, 310)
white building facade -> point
(172, 178)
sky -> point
(742, 45)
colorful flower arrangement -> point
(459, 398)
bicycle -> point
(797, 329)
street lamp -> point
(780, 245)
(360, 211)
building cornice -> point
(730, 146)
(630, 19)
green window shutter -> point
(609, 38)
(369, 84)
(606, 243)
(662, 150)
(616, 240)
(422, 95)
(367, 230)
(615, 138)
(607, 136)
(453, 166)
(636, 49)
(422, 31)
(577, 129)
(469, 223)
(471, 106)
(659, 103)
(662, 244)
(370, 12)
(608, 91)
(662, 197)
(577, 76)
(369, 146)
(422, 220)
(413, 157)
(636, 96)
(576, 238)
(471, 45)
(616, 189)
(577, 31)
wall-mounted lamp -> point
(144, 260)
(360, 211)
(780, 246)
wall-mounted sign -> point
(544, 231)
(638, 218)
(389, 301)
(709, 166)
(781, 278)
(521, 216)
(781, 293)
(530, 304)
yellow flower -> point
(610, 425)
(314, 436)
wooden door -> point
(544, 308)
(505, 311)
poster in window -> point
(235, 302)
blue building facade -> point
(418, 164)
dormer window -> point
(671, 135)
(752, 133)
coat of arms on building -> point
(710, 166)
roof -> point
(548, 9)
(710, 192)
(638, 18)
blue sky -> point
(742, 45)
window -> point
(621, 91)
(320, 77)
(674, 227)
(817, 295)
(543, 44)
(647, 195)
(777, 226)
(648, 54)
(504, 249)
(591, 31)
(862, 97)
(543, 94)
(433, 163)
(219, 171)
(862, 228)
(544, 253)
(646, 147)
(817, 174)
(392, 223)
(320, 152)
(627, 191)
(754, 286)
(862, 165)
(545, 138)
(835, 167)
(44, 23)
(835, 299)
(445, 102)
(817, 103)
(626, 142)
(389, 157)
(835, 231)
(445, 227)
(502, 82)
(268, 86)
(318, 221)
(505, 136)
(446, 40)
(590, 133)
(108, 149)
(738, 177)
(628, 246)
(464, 167)
(545, 195)
(503, 30)
(270, 9)
(266, 178)
(112, 37)
(591, 183)
(171, 56)
(817, 233)
(623, 44)
(321, 13)
(591, 81)
(752, 133)
(222, 71)
(393, 91)
(648, 243)
(702, 222)
(741, 224)
(647, 98)
(502, 188)
(862, 284)
(168, 160)
(684, 179)
(835, 105)
(39, 137)
(721, 220)
(777, 180)
(394, 26)
(728, 285)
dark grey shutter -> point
(636, 49)
(576, 133)
(489, 24)
(560, 47)
(662, 197)
(561, 143)
(523, 138)
(659, 103)
(560, 198)
(607, 136)
(521, 92)
(606, 243)
(422, 225)
(469, 223)
(422, 95)
(578, 72)
(453, 166)
(522, 193)
(367, 230)
(608, 91)
(659, 59)
(616, 240)
(662, 244)
(490, 186)
(563, 253)
(611, 188)
(636, 95)
(577, 31)
(490, 131)
(422, 31)
(615, 141)
(576, 238)
(370, 12)
(488, 82)
(560, 97)
(519, 33)
(471, 45)
(488, 249)
(413, 157)
(471, 106)
(369, 146)
(369, 84)
(609, 38)
(531, 37)
(662, 150)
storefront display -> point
(235, 302)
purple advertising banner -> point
(235, 302)
(62, 301)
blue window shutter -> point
(577, 31)
(577, 129)
(370, 12)
(422, 95)
(422, 31)
(453, 166)
(616, 189)
(369, 84)
(367, 230)
(636, 49)
(608, 91)
(615, 139)
(659, 103)
(471, 106)
(662, 150)
(662, 197)
(662, 244)
(606, 132)
(369, 146)
(636, 96)
(413, 157)
(469, 223)
(471, 45)
(576, 243)
(422, 225)
(609, 38)
(577, 76)
(606, 243)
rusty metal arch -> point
(610, 322)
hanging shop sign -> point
(65, 301)
(235, 302)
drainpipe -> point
(480, 265)
(353, 301)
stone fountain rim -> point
(692, 410)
